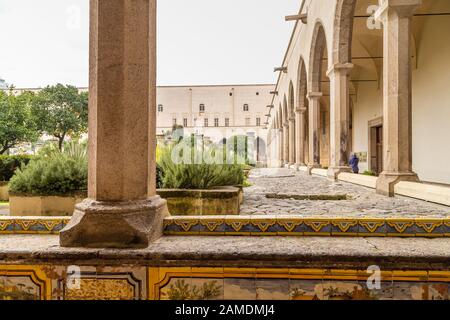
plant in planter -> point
(200, 188)
(51, 183)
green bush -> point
(369, 173)
(197, 176)
(53, 173)
(9, 164)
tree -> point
(61, 111)
(16, 121)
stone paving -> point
(362, 201)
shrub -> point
(9, 164)
(53, 173)
(197, 176)
(369, 173)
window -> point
(231, 94)
(185, 122)
(216, 122)
(160, 108)
(174, 121)
(227, 122)
(257, 93)
(245, 107)
(202, 107)
(258, 122)
(247, 122)
(206, 122)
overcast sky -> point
(44, 42)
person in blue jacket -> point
(353, 162)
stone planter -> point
(218, 201)
(20, 205)
(4, 191)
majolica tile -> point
(400, 227)
(345, 227)
(240, 289)
(290, 226)
(430, 227)
(7, 225)
(304, 289)
(317, 227)
(272, 289)
(372, 227)
(411, 290)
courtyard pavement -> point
(361, 202)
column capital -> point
(292, 119)
(340, 67)
(314, 95)
(404, 8)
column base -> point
(311, 167)
(387, 181)
(333, 172)
(133, 224)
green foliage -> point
(9, 164)
(197, 176)
(61, 111)
(53, 172)
(183, 291)
(17, 123)
(369, 173)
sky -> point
(45, 42)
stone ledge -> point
(359, 179)
(423, 191)
(309, 252)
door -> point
(376, 149)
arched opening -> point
(319, 96)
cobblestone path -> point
(362, 202)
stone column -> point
(280, 147)
(122, 210)
(314, 133)
(285, 143)
(396, 16)
(339, 76)
(292, 138)
(300, 137)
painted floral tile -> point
(193, 289)
(19, 288)
(304, 289)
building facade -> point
(369, 77)
(215, 111)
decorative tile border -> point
(188, 283)
(32, 225)
(306, 226)
(259, 226)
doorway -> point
(376, 146)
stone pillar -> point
(292, 138)
(396, 16)
(280, 147)
(300, 137)
(314, 130)
(285, 143)
(339, 76)
(122, 210)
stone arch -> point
(318, 48)
(343, 31)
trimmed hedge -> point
(9, 165)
